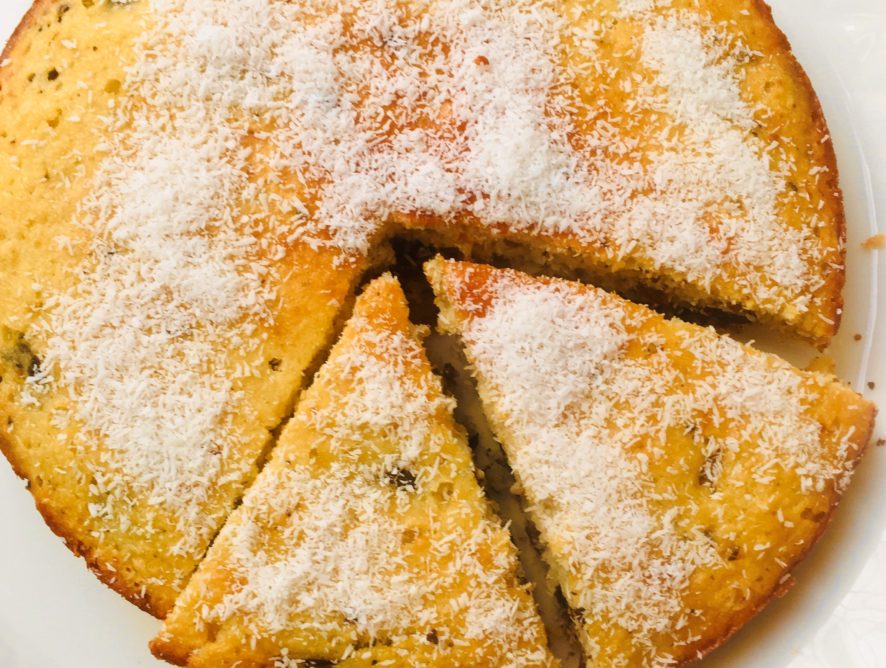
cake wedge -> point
(366, 540)
(675, 476)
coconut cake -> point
(193, 188)
(675, 476)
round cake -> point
(194, 191)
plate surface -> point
(54, 613)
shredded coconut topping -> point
(583, 421)
(589, 498)
(716, 153)
(143, 340)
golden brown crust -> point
(832, 190)
(810, 132)
(166, 648)
(147, 570)
(800, 129)
(61, 528)
(54, 519)
(104, 568)
(29, 19)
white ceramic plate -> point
(53, 613)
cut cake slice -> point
(676, 476)
(366, 540)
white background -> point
(53, 613)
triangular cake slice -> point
(676, 476)
(366, 540)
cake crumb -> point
(876, 242)
(823, 364)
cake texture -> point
(675, 476)
(366, 540)
(193, 189)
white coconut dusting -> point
(717, 153)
